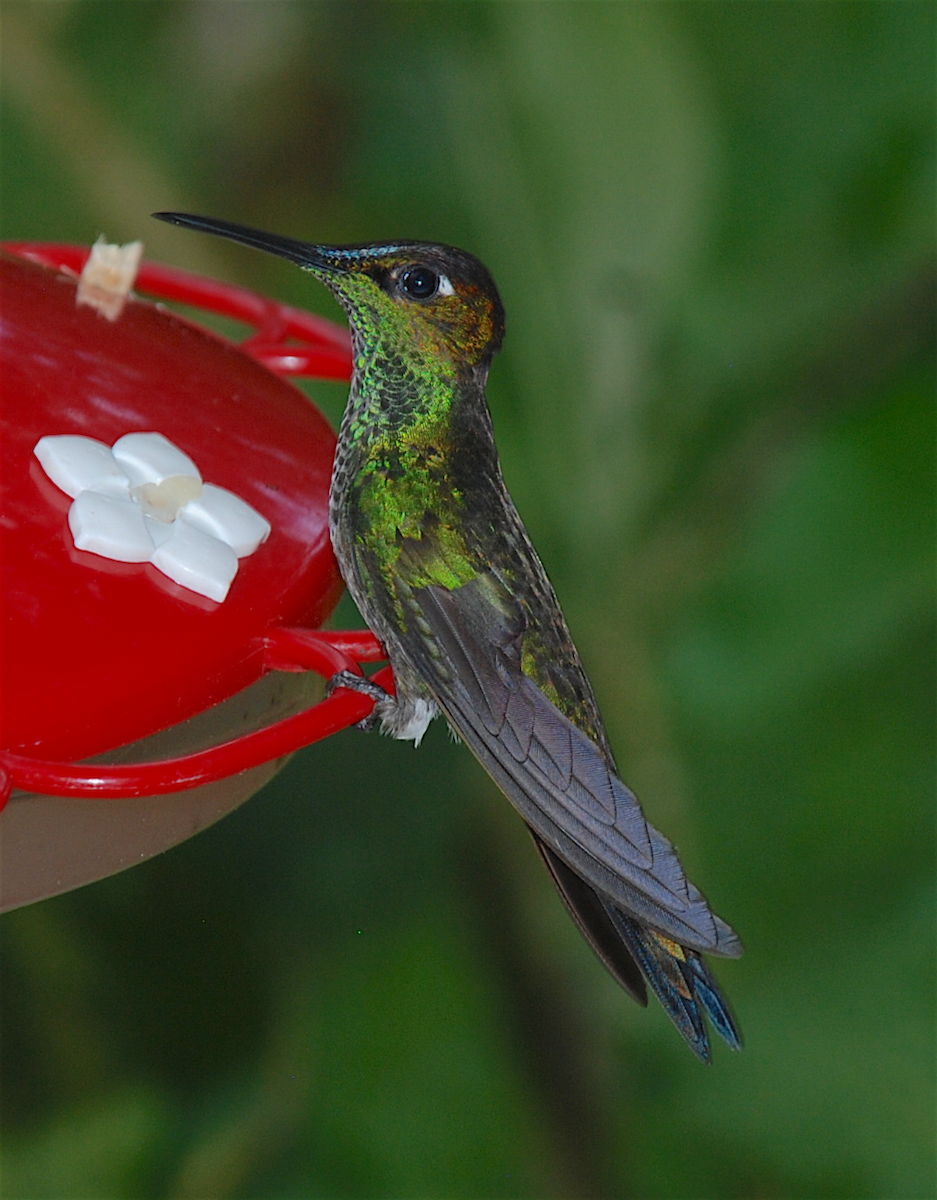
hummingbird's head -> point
(436, 299)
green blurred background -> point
(712, 225)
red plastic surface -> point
(287, 649)
(288, 341)
(98, 653)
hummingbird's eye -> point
(420, 282)
(423, 283)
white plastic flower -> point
(143, 500)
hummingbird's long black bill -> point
(304, 253)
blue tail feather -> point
(683, 984)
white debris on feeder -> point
(144, 501)
(108, 276)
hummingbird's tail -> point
(682, 982)
(633, 953)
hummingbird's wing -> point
(595, 923)
(469, 654)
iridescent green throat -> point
(410, 407)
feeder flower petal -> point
(197, 561)
(112, 526)
(226, 516)
(75, 464)
(152, 458)
(144, 501)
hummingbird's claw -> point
(359, 683)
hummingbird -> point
(440, 565)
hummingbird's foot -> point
(358, 683)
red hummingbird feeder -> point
(185, 703)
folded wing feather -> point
(557, 778)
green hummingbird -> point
(435, 555)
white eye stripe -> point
(445, 286)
